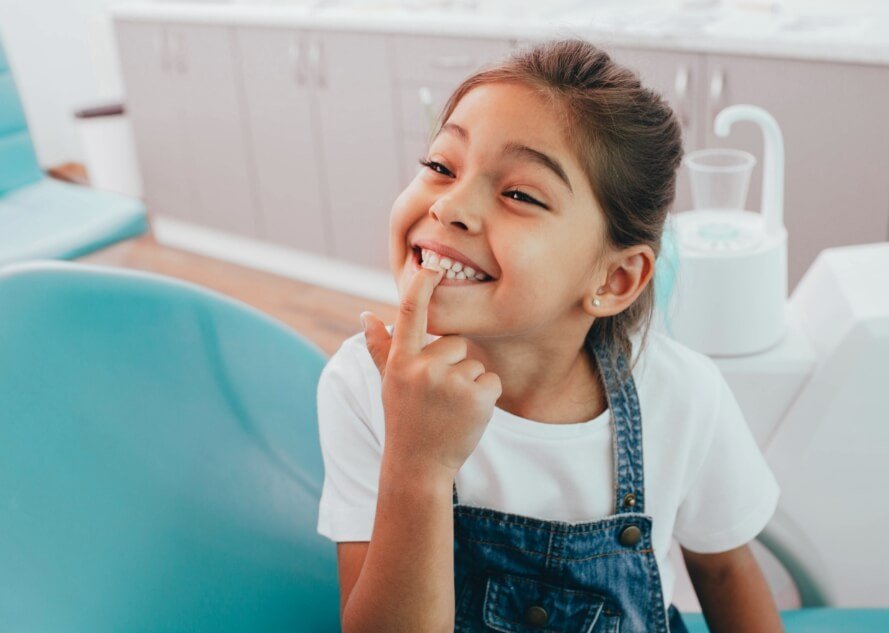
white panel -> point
(214, 128)
(278, 96)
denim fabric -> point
(520, 574)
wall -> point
(63, 57)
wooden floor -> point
(326, 317)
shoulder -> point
(682, 392)
(668, 362)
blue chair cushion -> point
(816, 620)
(58, 220)
(18, 162)
(160, 466)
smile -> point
(456, 273)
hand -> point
(437, 402)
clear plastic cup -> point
(719, 178)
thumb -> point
(377, 338)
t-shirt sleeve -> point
(733, 494)
(350, 447)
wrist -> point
(410, 471)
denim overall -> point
(520, 574)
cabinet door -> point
(214, 130)
(358, 144)
(677, 77)
(833, 119)
(278, 97)
(154, 104)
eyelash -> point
(431, 164)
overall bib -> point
(520, 574)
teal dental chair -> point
(45, 218)
(160, 467)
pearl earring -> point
(596, 302)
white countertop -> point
(852, 32)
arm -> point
(733, 593)
(407, 580)
(437, 403)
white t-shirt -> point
(707, 484)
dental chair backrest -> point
(18, 162)
(159, 459)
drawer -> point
(446, 60)
(421, 104)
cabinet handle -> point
(162, 43)
(425, 96)
(717, 83)
(680, 86)
(450, 62)
(316, 57)
(295, 58)
(181, 66)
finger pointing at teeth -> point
(409, 333)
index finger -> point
(410, 322)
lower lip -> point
(449, 282)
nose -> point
(456, 210)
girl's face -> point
(504, 190)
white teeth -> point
(455, 269)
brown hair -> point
(628, 141)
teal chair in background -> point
(45, 218)
(160, 467)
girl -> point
(494, 462)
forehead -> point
(513, 112)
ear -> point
(628, 274)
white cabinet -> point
(320, 114)
(280, 115)
(185, 103)
(357, 140)
(836, 135)
(154, 86)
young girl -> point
(494, 461)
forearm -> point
(407, 581)
(736, 598)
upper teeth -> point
(455, 270)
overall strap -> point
(626, 424)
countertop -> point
(851, 32)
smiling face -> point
(502, 188)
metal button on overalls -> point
(630, 535)
(536, 616)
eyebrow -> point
(516, 149)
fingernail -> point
(363, 318)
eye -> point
(431, 164)
(526, 198)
